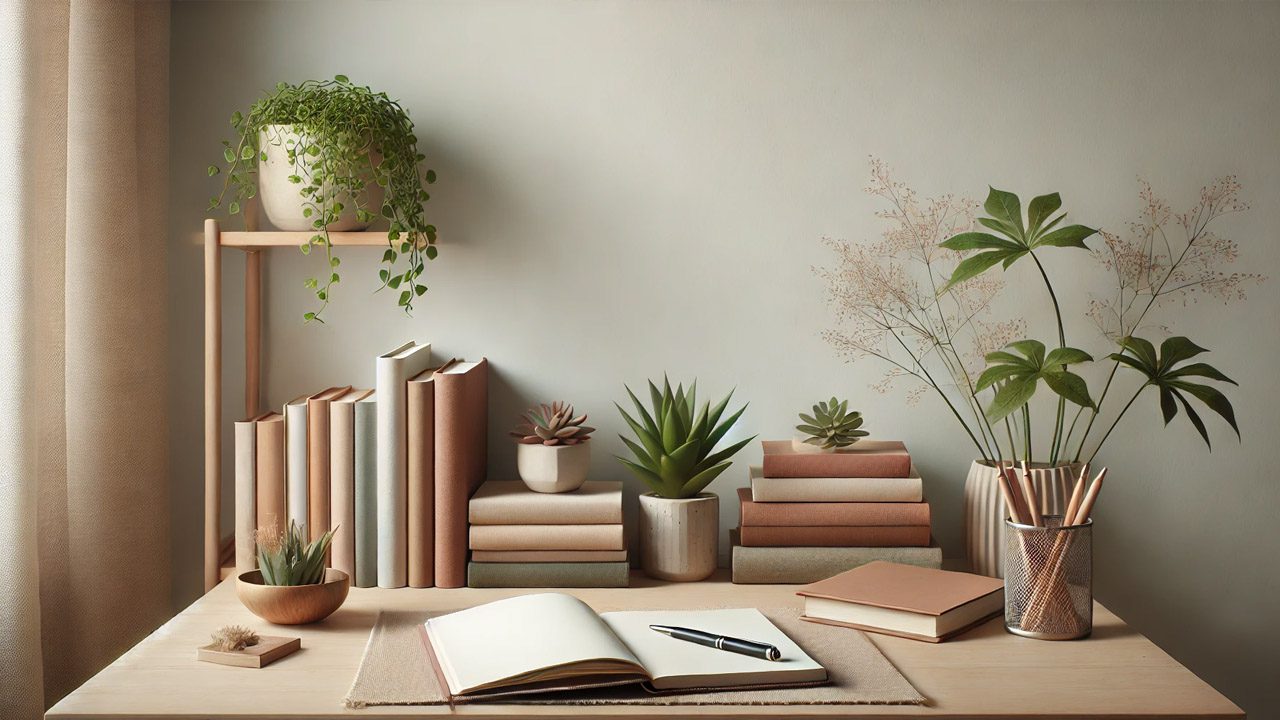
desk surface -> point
(984, 673)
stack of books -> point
(389, 469)
(521, 538)
(809, 515)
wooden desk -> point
(984, 673)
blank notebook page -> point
(685, 664)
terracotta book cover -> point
(836, 536)
(461, 420)
(830, 513)
(269, 455)
(864, 459)
(511, 502)
(318, 460)
(925, 591)
(420, 471)
(342, 480)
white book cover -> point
(295, 459)
(393, 371)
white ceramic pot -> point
(679, 539)
(282, 200)
(984, 509)
(553, 468)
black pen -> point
(764, 651)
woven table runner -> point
(395, 670)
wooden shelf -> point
(269, 239)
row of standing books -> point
(390, 469)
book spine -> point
(392, 492)
(269, 456)
(784, 565)
(420, 471)
(806, 465)
(246, 437)
(882, 536)
(530, 508)
(544, 556)
(342, 487)
(788, 490)
(547, 537)
(366, 494)
(318, 461)
(540, 575)
(833, 514)
(461, 454)
(296, 429)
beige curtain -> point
(84, 556)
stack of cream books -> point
(521, 538)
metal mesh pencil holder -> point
(1048, 579)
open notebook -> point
(551, 641)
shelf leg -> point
(212, 402)
(252, 332)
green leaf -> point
(247, 153)
(431, 176)
(233, 207)
(1200, 370)
(1040, 208)
(1070, 386)
(1212, 398)
(1002, 227)
(1176, 349)
(431, 252)
(1069, 236)
(229, 155)
(978, 241)
(1162, 372)
(974, 266)
(1067, 356)
(1005, 206)
(1168, 406)
(404, 298)
(995, 374)
(1142, 349)
(341, 78)
(1032, 349)
(213, 170)
(1012, 396)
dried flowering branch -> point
(889, 301)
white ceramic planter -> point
(553, 468)
(984, 509)
(679, 539)
(281, 199)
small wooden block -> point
(269, 649)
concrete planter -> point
(679, 539)
(553, 468)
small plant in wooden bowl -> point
(552, 451)
(291, 585)
(830, 427)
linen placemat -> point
(395, 670)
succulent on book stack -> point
(553, 424)
(832, 426)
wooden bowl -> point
(292, 604)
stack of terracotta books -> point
(809, 515)
(521, 538)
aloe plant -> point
(831, 425)
(286, 558)
(674, 451)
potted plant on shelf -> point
(674, 454)
(552, 449)
(920, 299)
(831, 427)
(332, 156)
(291, 585)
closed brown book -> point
(318, 460)
(420, 473)
(269, 457)
(461, 420)
(863, 459)
(511, 502)
(904, 600)
(863, 514)
(836, 536)
(342, 480)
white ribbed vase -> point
(984, 509)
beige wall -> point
(628, 188)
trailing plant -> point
(900, 302)
(286, 558)
(674, 451)
(553, 424)
(831, 425)
(336, 129)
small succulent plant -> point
(286, 558)
(832, 425)
(675, 454)
(553, 424)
